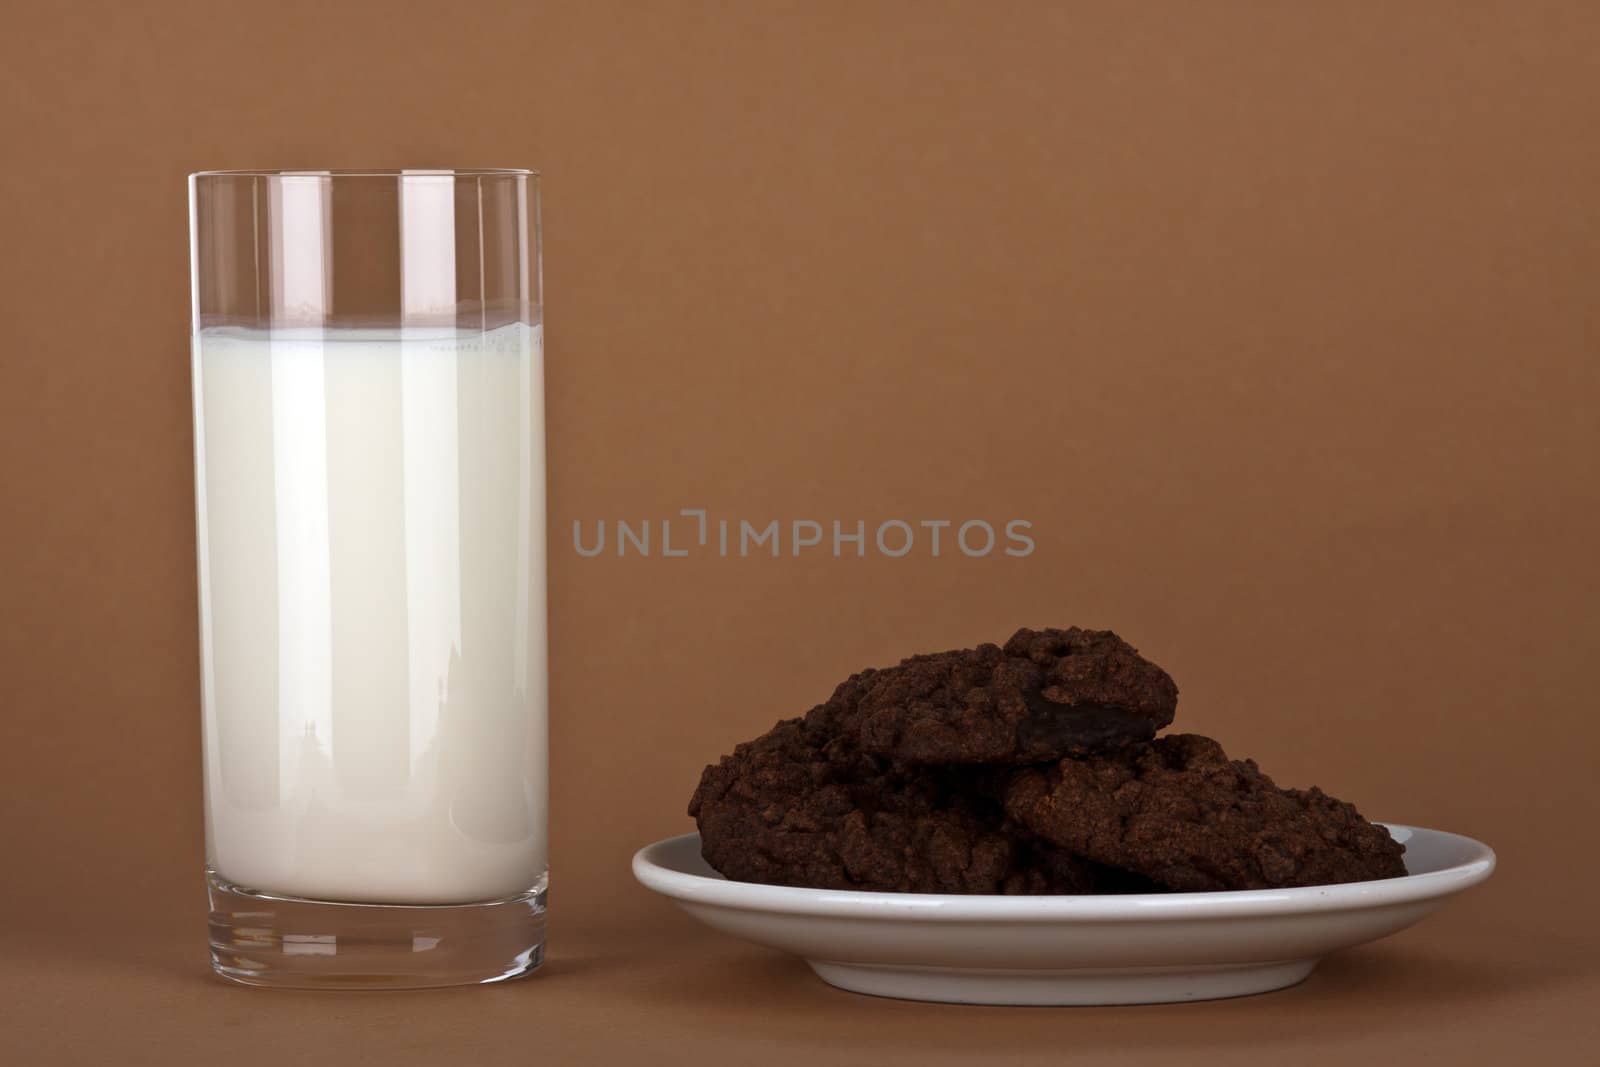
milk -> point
(370, 511)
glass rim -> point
(342, 172)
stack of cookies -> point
(1032, 767)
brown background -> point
(1277, 321)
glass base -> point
(285, 942)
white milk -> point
(372, 608)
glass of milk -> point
(369, 501)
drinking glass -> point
(369, 502)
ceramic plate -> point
(1139, 949)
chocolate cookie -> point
(1178, 811)
(801, 806)
(1045, 695)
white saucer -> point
(1140, 949)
